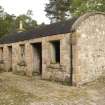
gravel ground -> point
(21, 90)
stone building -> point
(71, 51)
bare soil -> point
(21, 90)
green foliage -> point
(28, 22)
(57, 10)
(7, 24)
(79, 7)
(10, 23)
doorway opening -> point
(10, 57)
(37, 58)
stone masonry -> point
(82, 53)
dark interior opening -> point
(56, 52)
(37, 58)
(10, 57)
(22, 48)
(1, 53)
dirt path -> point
(19, 90)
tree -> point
(57, 10)
(2, 13)
(28, 22)
(79, 7)
(6, 22)
(10, 23)
(29, 13)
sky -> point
(18, 7)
